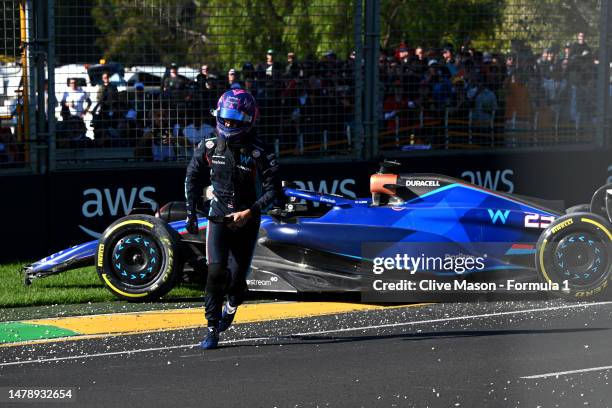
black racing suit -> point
(237, 172)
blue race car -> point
(321, 242)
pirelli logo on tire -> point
(564, 224)
(100, 255)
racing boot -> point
(227, 316)
(212, 339)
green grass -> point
(70, 287)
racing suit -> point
(237, 172)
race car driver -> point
(239, 166)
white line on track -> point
(450, 319)
(117, 353)
(346, 329)
(560, 373)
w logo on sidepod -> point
(498, 215)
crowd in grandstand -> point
(297, 100)
(423, 92)
(469, 92)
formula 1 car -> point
(320, 242)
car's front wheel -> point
(138, 258)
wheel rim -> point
(580, 258)
(136, 260)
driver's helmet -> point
(236, 114)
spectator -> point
(440, 86)
(195, 134)
(159, 142)
(76, 100)
(484, 107)
(292, 70)
(138, 99)
(419, 52)
(580, 47)
(174, 85)
(248, 71)
(107, 94)
(205, 97)
(329, 70)
(403, 53)
(487, 58)
(71, 130)
(232, 79)
(201, 80)
(458, 107)
(272, 67)
(449, 60)
(130, 128)
(104, 110)
(545, 61)
(395, 108)
(518, 108)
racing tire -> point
(576, 248)
(138, 258)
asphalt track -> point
(493, 354)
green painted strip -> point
(12, 332)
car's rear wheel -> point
(139, 258)
(575, 252)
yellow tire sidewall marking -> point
(127, 222)
(542, 261)
(110, 285)
(601, 227)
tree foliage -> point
(221, 32)
(545, 23)
(227, 33)
(144, 31)
(434, 23)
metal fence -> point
(492, 74)
(166, 64)
(15, 149)
(96, 82)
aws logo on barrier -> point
(113, 203)
(499, 180)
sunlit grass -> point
(70, 287)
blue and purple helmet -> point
(239, 109)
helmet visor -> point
(233, 114)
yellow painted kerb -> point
(194, 317)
